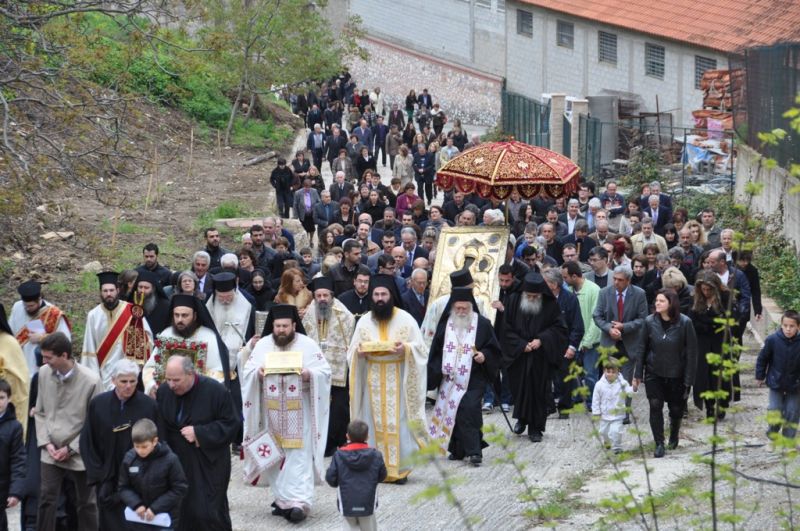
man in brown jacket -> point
(65, 390)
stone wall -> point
(775, 195)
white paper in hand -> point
(35, 327)
(160, 520)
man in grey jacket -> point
(619, 314)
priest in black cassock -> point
(197, 420)
(106, 436)
(464, 358)
(534, 340)
(154, 301)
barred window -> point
(524, 22)
(607, 47)
(565, 34)
(701, 64)
(654, 60)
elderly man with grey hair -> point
(493, 216)
(572, 215)
(201, 262)
(415, 299)
(106, 437)
(620, 313)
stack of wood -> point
(721, 88)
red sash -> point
(117, 328)
(49, 317)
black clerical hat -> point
(224, 282)
(30, 290)
(534, 283)
(148, 276)
(108, 277)
(182, 299)
(283, 311)
(460, 278)
(322, 283)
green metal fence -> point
(526, 119)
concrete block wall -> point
(536, 65)
(774, 196)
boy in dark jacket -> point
(151, 479)
(356, 469)
(12, 454)
(778, 366)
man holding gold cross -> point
(286, 393)
(388, 374)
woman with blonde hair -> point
(403, 166)
(293, 290)
(698, 232)
(672, 278)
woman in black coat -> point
(711, 300)
(668, 367)
(364, 162)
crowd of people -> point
(287, 356)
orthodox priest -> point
(286, 392)
(148, 293)
(31, 319)
(115, 330)
(328, 322)
(464, 359)
(388, 371)
(106, 437)
(192, 334)
(14, 369)
(197, 420)
(458, 279)
(534, 340)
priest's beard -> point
(323, 311)
(110, 303)
(282, 340)
(223, 313)
(461, 323)
(382, 311)
(530, 307)
(149, 303)
(186, 331)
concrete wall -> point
(461, 32)
(536, 65)
(775, 196)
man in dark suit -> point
(620, 313)
(379, 133)
(374, 234)
(415, 299)
(554, 248)
(660, 214)
(454, 207)
(655, 189)
(580, 239)
(423, 172)
(316, 145)
(397, 117)
(408, 236)
(314, 117)
(425, 99)
(324, 211)
(364, 135)
(571, 216)
(335, 142)
(340, 187)
(330, 116)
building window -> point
(525, 23)
(484, 3)
(701, 64)
(654, 60)
(565, 34)
(501, 6)
(607, 47)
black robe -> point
(209, 408)
(160, 317)
(467, 437)
(709, 339)
(529, 371)
(104, 441)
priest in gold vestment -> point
(388, 376)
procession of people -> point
(287, 357)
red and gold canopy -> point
(496, 169)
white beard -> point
(462, 324)
(222, 314)
(530, 307)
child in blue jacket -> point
(778, 366)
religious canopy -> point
(496, 169)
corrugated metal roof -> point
(723, 25)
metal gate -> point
(566, 138)
(526, 119)
(589, 143)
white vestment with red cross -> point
(295, 415)
(459, 347)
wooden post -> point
(219, 145)
(156, 195)
(149, 188)
(114, 230)
(658, 124)
(191, 151)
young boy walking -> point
(12, 454)
(778, 366)
(356, 469)
(151, 479)
(608, 403)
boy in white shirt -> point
(608, 404)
